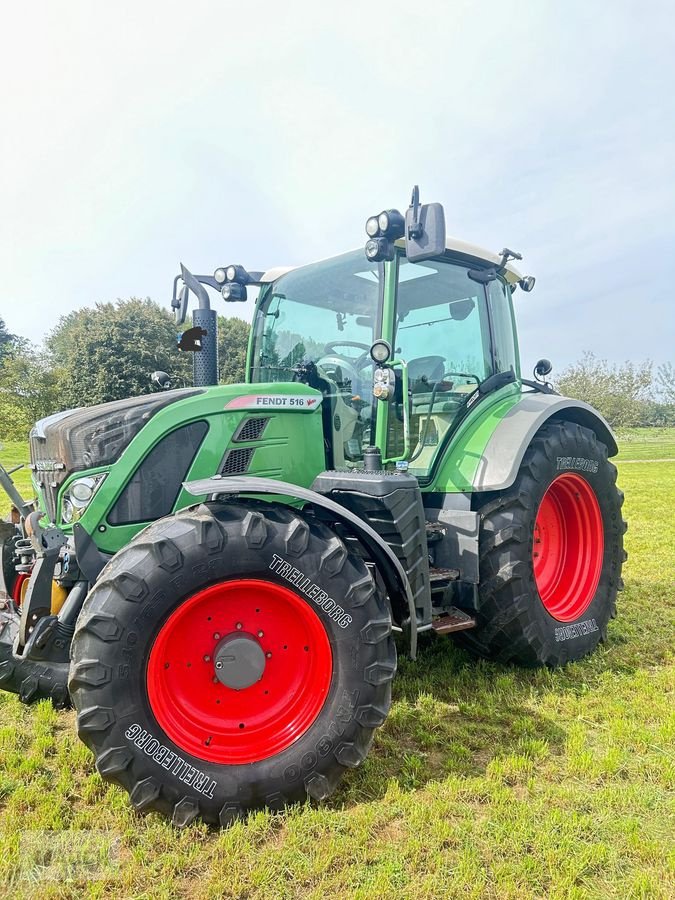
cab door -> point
(440, 332)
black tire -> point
(32, 680)
(159, 570)
(513, 623)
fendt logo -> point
(288, 401)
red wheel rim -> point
(221, 724)
(568, 547)
(19, 590)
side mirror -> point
(543, 368)
(424, 229)
(161, 380)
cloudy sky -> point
(137, 134)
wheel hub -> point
(239, 661)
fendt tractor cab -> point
(212, 576)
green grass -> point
(647, 443)
(485, 781)
(15, 453)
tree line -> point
(108, 352)
(98, 354)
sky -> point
(135, 135)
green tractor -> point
(213, 576)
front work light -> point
(380, 352)
(379, 249)
(233, 291)
(383, 230)
(372, 226)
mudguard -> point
(389, 567)
(509, 441)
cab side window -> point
(503, 327)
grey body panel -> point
(391, 570)
(504, 451)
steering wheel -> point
(351, 366)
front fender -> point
(508, 443)
(389, 567)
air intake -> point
(251, 430)
(237, 462)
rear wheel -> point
(231, 657)
(551, 551)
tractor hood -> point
(89, 437)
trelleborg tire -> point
(551, 552)
(231, 657)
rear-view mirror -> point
(424, 232)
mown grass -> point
(646, 443)
(485, 781)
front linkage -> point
(34, 642)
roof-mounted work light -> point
(383, 230)
(233, 291)
(236, 274)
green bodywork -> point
(292, 450)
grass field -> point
(485, 781)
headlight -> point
(67, 511)
(383, 222)
(231, 273)
(220, 275)
(82, 490)
(78, 496)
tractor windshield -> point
(324, 313)
(316, 324)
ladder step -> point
(438, 575)
(453, 620)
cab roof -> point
(454, 245)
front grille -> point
(237, 462)
(251, 429)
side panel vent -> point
(251, 429)
(237, 462)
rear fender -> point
(509, 441)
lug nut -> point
(219, 665)
(239, 626)
(216, 636)
(260, 634)
(269, 654)
(207, 658)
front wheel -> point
(551, 551)
(231, 657)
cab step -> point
(453, 620)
